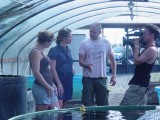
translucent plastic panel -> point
(21, 20)
(24, 11)
(71, 14)
(127, 19)
(47, 24)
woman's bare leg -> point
(55, 104)
(40, 107)
(62, 103)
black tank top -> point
(142, 74)
(44, 70)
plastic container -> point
(13, 96)
(157, 89)
(95, 113)
(30, 80)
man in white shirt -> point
(93, 55)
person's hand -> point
(55, 89)
(90, 67)
(136, 42)
(50, 91)
(113, 81)
(60, 90)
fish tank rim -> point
(90, 108)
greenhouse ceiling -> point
(21, 20)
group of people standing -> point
(53, 85)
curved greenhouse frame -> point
(21, 20)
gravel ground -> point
(117, 92)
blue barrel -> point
(157, 89)
(13, 96)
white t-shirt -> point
(96, 53)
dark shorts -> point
(94, 88)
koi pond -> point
(96, 113)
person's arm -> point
(56, 78)
(135, 49)
(35, 58)
(147, 56)
(82, 62)
(114, 69)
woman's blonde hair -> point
(45, 36)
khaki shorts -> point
(135, 95)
